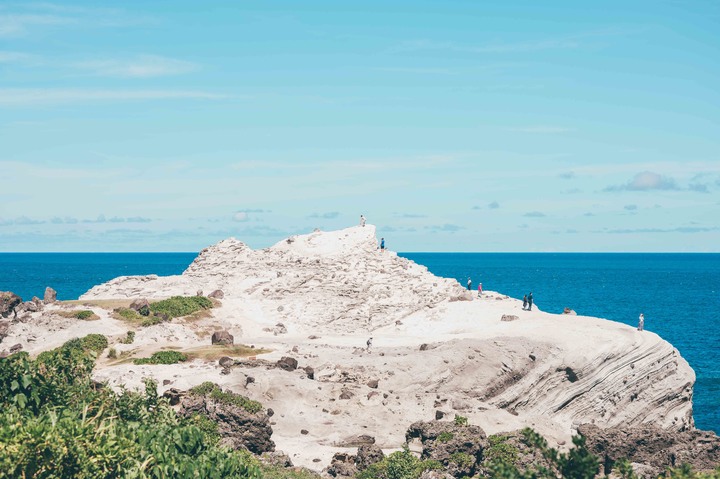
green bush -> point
(65, 428)
(129, 338)
(95, 342)
(399, 465)
(445, 436)
(84, 314)
(214, 392)
(112, 353)
(128, 314)
(178, 306)
(499, 450)
(152, 321)
(163, 357)
(461, 420)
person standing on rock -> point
(524, 302)
(530, 301)
(362, 220)
(382, 244)
(641, 322)
(469, 284)
(479, 289)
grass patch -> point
(213, 353)
(178, 306)
(500, 450)
(274, 472)
(163, 357)
(108, 304)
(460, 420)
(129, 338)
(445, 436)
(91, 342)
(214, 392)
(83, 314)
(127, 314)
(112, 353)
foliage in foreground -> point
(55, 424)
(218, 395)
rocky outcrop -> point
(367, 455)
(4, 329)
(142, 306)
(223, 338)
(237, 427)
(653, 447)
(217, 294)
(9, 301)
(50, 295)
(342, 465)
(457, 447)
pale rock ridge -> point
(337, 281)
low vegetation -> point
(399, 465)
(163, 357)
(179, 306)
(82, 314)
(214, 392)
(129, 338)
(54, 424)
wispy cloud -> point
(535, 214)
(680, 229)
(547, 129)
(494, 205)
(15, 24)
(143, 66)
(646, 181)
(567, 175)
(699, 187)
(326, 216)
(12, 57)
(445, 228)
(42, 96)
(409, 215)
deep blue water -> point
(678, 293)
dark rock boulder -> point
(223, 338)
(310, 372)
(30, 307)
(174, 396)
(50, 295)
(287, 363)
(8, 303)
(142, 306)
(569, 311)
(458, 448)
(226, 361)
(367, 455)
(16, 348)
(217, 294)
(652, 446)
(237, 427)
(342, 465)
(373, 383)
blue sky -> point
(452, 125)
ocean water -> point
(678, 293)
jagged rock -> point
(287, 363)
(310, 372)
(50, 295)
(373, 383)
(356, 441)
(367, 455)
(276, 458)
(226, 361)
(4, 330)
(509, 317)
(463, 295)
(199, 292)
(250, 380)
(174, 395)
(30, 307)
(8, 302)
(142, 306)
(15, 348)
(346, 394)
(217, 294)
(237, 427)
(653, 447)
(304, 432)
(342, 465)
(445, 441)
(423, 347)
(439, 415)
(223, 338)
(569, 311)
(279, 329)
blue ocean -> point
(678, 293)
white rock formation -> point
(333, 290)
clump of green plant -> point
(461, 420)
(91, 342)
(152, 321)
(85, 315)
(445, 436)
(112, 353)
(129, 338)
(462, 459)
(163, 357)
(207, 426)
(399, 465)
(178, 306)
(128, 314)
(500, 450)
(214, 392)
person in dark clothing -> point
(530, 301)
(524, 302)
(469, 284)
(382, 244)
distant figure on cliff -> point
(369, 343)
(524, 302)
(641, 322)
(479, 289)
(382, 244)
(469, 284)
(362, 220)
(530, 300)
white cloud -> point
(11, 57)
(241, 216)
(646, 181)
(144, 66)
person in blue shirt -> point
(382, 244)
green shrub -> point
(129, 338)
(214, 392)
(445, 436)
(399, 465)
(128, 314)
(461, 420)
(112, 353)
(178, 306)
(152, 321)
(84, 314)
(499, 450)
(462, 459)
(95, 342)
(163, 357)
